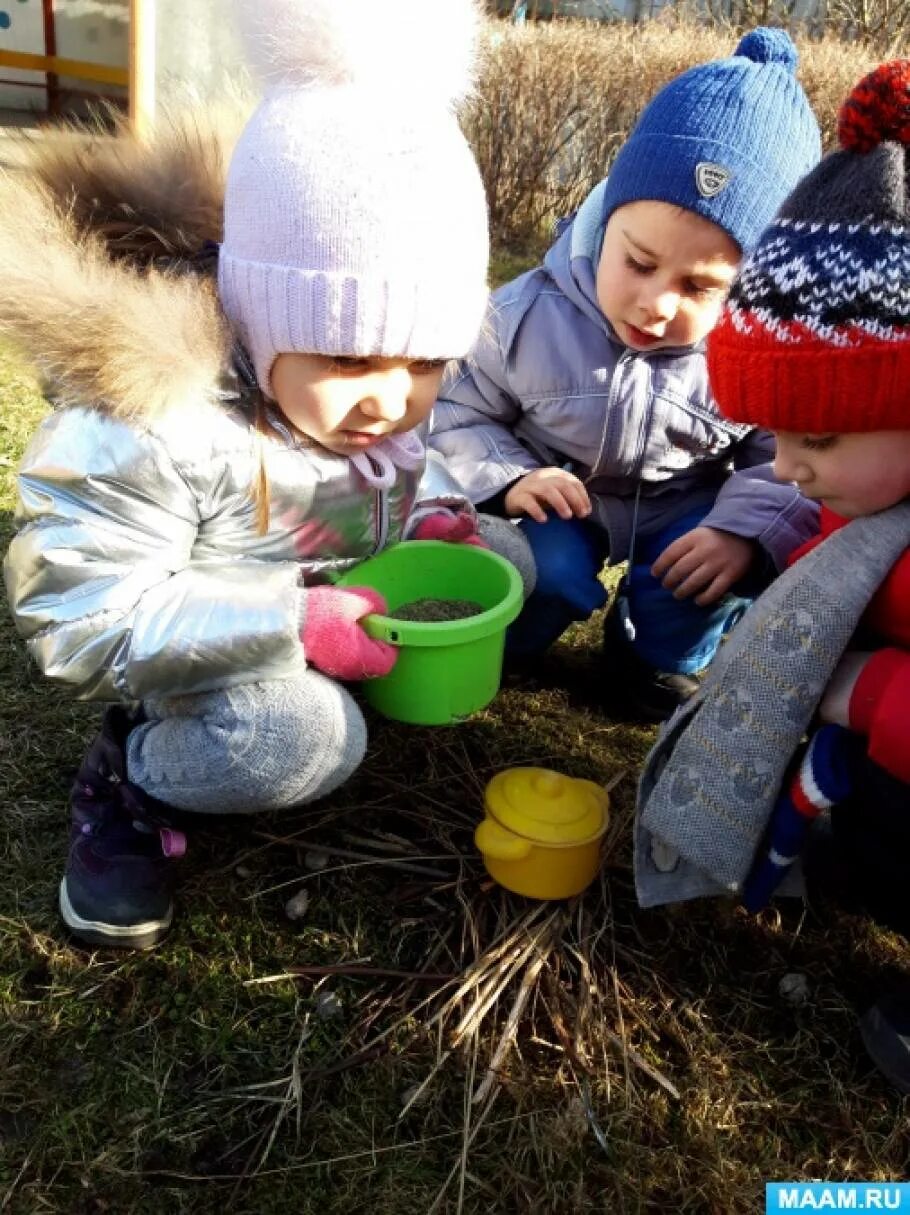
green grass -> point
(654, 1067)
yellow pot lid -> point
(547, 806)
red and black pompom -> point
(878, 109)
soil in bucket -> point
(434, 611)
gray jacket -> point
(550, 384)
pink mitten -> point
(333, 639)
(454, 529)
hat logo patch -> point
(710, 179)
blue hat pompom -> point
(767, 45)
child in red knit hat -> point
(814, 344)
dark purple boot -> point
(117, 889)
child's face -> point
(349, 404)
(853, 474)
(663, 274)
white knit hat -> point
(355, 221)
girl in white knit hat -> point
(223, 444)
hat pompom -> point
(767, 45)
(393, 46)
(878, 109)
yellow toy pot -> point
(542, 831)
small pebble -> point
(794, 989)
(327, 1005)
(315, 861)
(296, 906)
(410, 1097)
(243, 872)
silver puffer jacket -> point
(138, 570)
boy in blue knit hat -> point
(584, 411)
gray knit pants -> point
(507, 539)
(260, 746)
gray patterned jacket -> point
(712, 778)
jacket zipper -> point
(608, 420)
(610, 425)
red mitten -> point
(333, 639)
(454, 529)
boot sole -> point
(116, 936)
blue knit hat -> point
(727, 140)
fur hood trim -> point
(102, 286)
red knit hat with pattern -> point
(815, 335)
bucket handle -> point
(375, 625)
(381, 628)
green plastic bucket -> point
(447, 670)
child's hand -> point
(704, 562)
(460, 528)
(548, 487)
(333, 639)
(835, 704)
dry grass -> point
(420, 1040)
(556, 101)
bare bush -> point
(882, 23)
(557, 100)
(829, 68)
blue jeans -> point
(670, 634)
